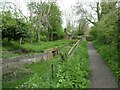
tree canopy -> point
(44, 21)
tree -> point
(82, 27)
(47, 15)
(68, 28)
(106, 30)
(85, 14)
(100, 8)
(16, 14)
(106, 7)
(36, 16)
(55, 22)
(13, 28)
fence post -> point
(53, 71)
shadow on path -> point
(100, 76)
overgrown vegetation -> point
(42, 29)
(44, 23)
(105, 33)
(13, 49)
(110, 55)
(24, 35)
(70, 73)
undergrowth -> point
(110, 55)
(13, 49)
(70, 73)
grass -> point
(74, 72)
(9, 82)
(41, 69)
(8, 54)
(65, 49)
(110, 55)
(70, 73)
(45, 45)
(15, 82)
(0, 51)
(10, 49)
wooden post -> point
(62, 56)
(53, 71)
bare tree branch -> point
(90, 21)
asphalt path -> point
(100, 76)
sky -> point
(66, 6)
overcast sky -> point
(66, 6)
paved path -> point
(100, 76)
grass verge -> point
(110, 56)
(13, 49)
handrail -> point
(73, 47)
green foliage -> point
(12, 47)
(107, 6)
(106, 31)
(106, 34)
(110, 55)
(44, 45)
(44, 21)
(68, 28)
(13, 28)
(81, 28)
(47, 19)
(72, 73)
(10, 80)
(78, 31)
(55, 22)
(89, 38)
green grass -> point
(8, 54)
(14, 76)
(71, 73)
(36, 67)
(9, 49)
(0, 52)
(41, 69)
(65, 49)
(110, 55)
(40, 47)
(74, 72)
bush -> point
(89, 38)
(106, 30)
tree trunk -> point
(31, 36)
(20, 41)
(50, 35)
(98, 11)
(9, 39)
(37, 36)
(79, 28)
